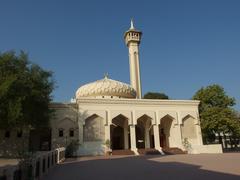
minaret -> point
(132, 39)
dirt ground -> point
(181, 167)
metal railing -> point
(40, 165)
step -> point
(123, 152)
(173, 150)
(148, 151)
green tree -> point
(213, 96)
(25, 92)
(216, 113)
(155, 95)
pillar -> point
(156, 137)
(133, 137)
(126, 144)
(107, 133)
(179, 135)
(179, 130)
(108, 129)
(156, 132)
(80, 129)
(147, 138)
(199, 133)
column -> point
(179, 135)
(199, 133)
(80, 129)
(126, 144)
(156, 137)
(133, 132)
(133, 137)
(179, 130)
(108, 131)
(156, 132)
(147, 138)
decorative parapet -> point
(139, 102)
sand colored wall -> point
(189, 130)
(13, 145)
(65, 118)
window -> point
(71, 132)
(60, 132)
(19, 134)
(7, 134)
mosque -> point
(111, 116)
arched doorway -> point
(165, 128)
(117, 138)
(119, 133)
(144, 133)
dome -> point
(106, 88)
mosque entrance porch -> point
(117, 138)
(120, 133)
(144, 133)
(165, 128)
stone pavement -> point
(8, 162)
(180, 167)
(7, 167)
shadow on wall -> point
(129, 168)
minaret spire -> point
(106, 75)
(132, 26)
(132, 39)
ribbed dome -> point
(106, 87)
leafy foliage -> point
(155, 95)
(213, 96)
(220, 120)
(216, 113)
(25, 90)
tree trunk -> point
(224, 140)
(231, 141)
(235, 142)
(220, 139)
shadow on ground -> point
(129, 168)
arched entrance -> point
(165, 131)
(119, 133)
(144, 133)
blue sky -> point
(186, 44)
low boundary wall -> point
(42, 162)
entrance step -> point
(173, 150)
(123, 152)
(148, 151)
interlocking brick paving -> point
(180, 167)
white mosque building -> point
(110, 115)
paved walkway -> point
(8, 162)
(174, 167)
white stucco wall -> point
(133, 109)
(184, 115)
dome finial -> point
(132, 26)
(106, 76)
